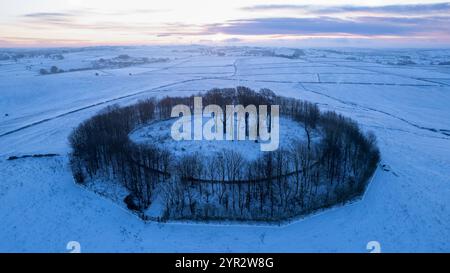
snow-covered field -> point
(403, 100)
(159, 133)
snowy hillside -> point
(402, 96)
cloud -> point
(406, 9)
(49, 17)
(397, 20)
(80, 14)
(368, 26)
(324, 25)
(406, 21)
(233, 40)
(47, 14)
(81, 19)
(14, 41)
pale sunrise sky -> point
(43, 23)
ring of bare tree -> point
(276, 186)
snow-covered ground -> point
(159, 133)
(406, 207)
